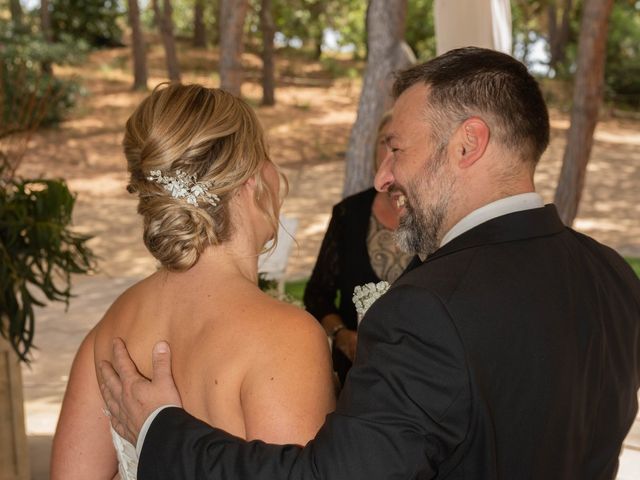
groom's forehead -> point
(410, 108)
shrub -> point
(38, 253)
(93, 21)
(28, 94)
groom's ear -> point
(470, 141)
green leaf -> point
(38, 253)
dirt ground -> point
(308, 132)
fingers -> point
(122, 362)
(129, 396)
(161, 361)
(348, 344)
(110, 387)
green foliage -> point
(339, 68)
(38, 254)
(28, 95)
(182, 16)
(349, 20)
(635, 264)
(420, 29)
(528, 26)
(270, 287)
(622, 71)
(96, 22)
(265, 283)
(302, 23)
(296, 288)
(304, 20)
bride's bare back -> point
(242, 361)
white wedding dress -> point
(127, 457)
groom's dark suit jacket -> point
(511, 353)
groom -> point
(511, 352)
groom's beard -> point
(417, 231)
(420, 227)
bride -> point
(209, 196)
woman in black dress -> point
(358, 248)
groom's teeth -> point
(401, 200)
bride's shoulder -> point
(130, 298)
(285, 340)
(122, 309)
(280, 323)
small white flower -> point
(185, 187)
(175, 188)
(365, 295)
(197, 190)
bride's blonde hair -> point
(204, 132)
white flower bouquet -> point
(365, 295)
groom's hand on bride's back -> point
(131, 397)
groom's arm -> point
(403, 412)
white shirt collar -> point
(515, 203)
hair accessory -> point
(185, 186)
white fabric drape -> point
(480, 23)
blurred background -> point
(72, 71)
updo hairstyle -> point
(205, 132)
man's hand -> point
(347, 341)
(129, 396)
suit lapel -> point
(537, 222)
(414, 263)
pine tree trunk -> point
(165, 24)
(268, 27)
(316, 9)
(559, 34)
(587, 96)
(45, 20)
(387, 52)
(137, 47)
(232, 16)
(45, 25)
(317, 47)
(16, 16)
(199, 32)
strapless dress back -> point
(127, 457)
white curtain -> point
(479, 23)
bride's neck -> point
(238, 256)
(227, 260)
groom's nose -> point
(384, 176)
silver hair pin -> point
(185, 186)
